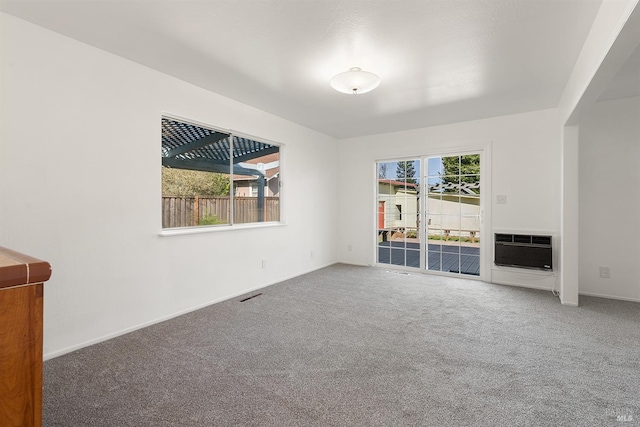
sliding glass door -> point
(429, 213)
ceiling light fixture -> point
(355, 81)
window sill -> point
(167, 232)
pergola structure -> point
(192, 147)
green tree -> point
(462, 165)
(461, 169)
(406, 171)
(189, 183)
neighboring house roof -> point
(269, 159)
(397, 183)
(274, 157)
(269, 173)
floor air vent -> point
(398, 272)
(523, 250)
(252, 296)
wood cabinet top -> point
(18, 269)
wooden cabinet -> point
(21, 302)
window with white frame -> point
(214, 178)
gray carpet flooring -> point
(358, 346)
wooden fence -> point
(192, 211)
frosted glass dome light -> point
(355, 81)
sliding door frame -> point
(486, 202)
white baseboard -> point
(523, 285)
(357, 264)
(592, 294)
(121, 332)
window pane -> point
(470, 264)
(451, 204)
(435, 239)
(204, 170)
(435, 185)
(450, 262)
(435, 166)
(412, 258)
(256, 181)
(434, 205)
(450, 184)
(195, 183)
(451, 165)
(470, 164)
(434, 260)
(408, 171)
(451, 226)
(386, 170)
(397, 256)
(191, 198)
(470, 185)
(384, 253)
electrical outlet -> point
(264, 263)
(349, 248)
(605, 272)
(501, 199)
(311, 255)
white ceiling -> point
(441, 61)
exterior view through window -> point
(428, 213)
(215, 178)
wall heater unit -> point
(523, 250)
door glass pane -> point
(450, 184)
(435, 236)
(434, 260)
(470, 264)
(434, 204)
(450, 262)
(398, 212)
(397, 256)
(470, 185)
(451, 165)
(453, 220)
(434, 167)
(412, 258)
(434, 247)
(470, 164)
(384, 254)
(451, 226)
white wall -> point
(610, 199)
(525, 159)
(80, 188)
